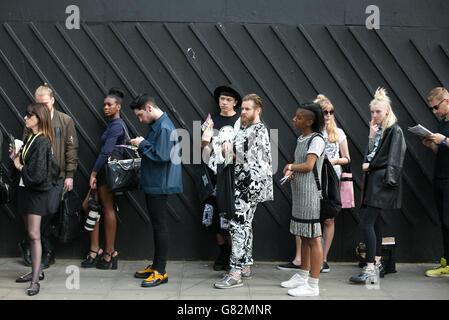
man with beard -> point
(253, 184)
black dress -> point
(36, 176)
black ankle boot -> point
(48, 259)
(24, 247)
(222, 259)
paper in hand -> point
(420, 130)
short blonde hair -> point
(438, 93)
(381, 97)
(44, 91)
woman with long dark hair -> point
(115, 134)
(34, 162)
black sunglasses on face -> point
(325, 112)
(435, 107)
(30, 114)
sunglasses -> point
(325, 112)
(30, 114)
(435, 107)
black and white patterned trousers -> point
(241, 231)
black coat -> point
(37, 172)
(382, 183)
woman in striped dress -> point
(306, 198)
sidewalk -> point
(193, 280)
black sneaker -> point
(325, 267)
(288, 266)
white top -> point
(316, 146)
(333, 149)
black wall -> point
(179, 51)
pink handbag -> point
(347, 191)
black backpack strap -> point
(315, 170)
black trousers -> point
(158, 209)
(441, 192)
(372, 230)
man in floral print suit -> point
(253, 184)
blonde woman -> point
(336, 150)
(381, 188)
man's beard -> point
(247, 121)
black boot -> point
(48, 258)
(227, 259)
(220, 262)
(24, 247)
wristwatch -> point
(290, 166)
(444, 141)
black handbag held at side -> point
(123, 174)
(203, 183)
(71, 219)
(5, 190)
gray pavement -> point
(193, 280)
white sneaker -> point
(295, 281)
(304, 290)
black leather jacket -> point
(382, 183)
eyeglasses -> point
(30, 114)
(325, 112)
(435, 107)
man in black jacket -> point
(438, 99)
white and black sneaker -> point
(325, 267)
(289, 266)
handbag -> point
(123, 174)
(226, 191)
(203, 183)
(347, 191)
(55, 196)
(70, 218)
(5, 190)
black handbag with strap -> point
(5, 189)
(71, 220)
(204, 183)
(123, 174)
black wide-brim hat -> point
(228, 91)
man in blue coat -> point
(160, 176)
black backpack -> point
(329, 187)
